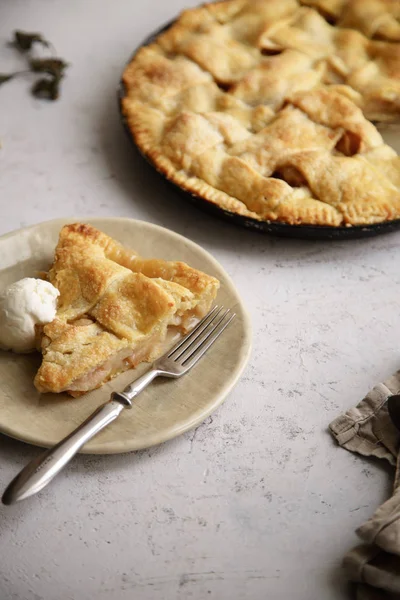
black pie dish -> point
(307, 232)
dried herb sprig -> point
(51, 66)
(47, 87)
(24, 41)
(4, 77)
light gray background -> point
(258, 502)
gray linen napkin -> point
(367, 429)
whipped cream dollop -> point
(23, 305)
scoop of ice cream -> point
(23, 305)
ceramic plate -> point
(168, 407)
(310, 232)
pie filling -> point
(120, 362)
(129, 359)
(104, 372)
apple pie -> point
(266, 108)
(114, 310)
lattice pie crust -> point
(264, 107)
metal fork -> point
(174, 363)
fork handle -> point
(41, 470)
(137, 386)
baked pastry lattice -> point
(114, 310)
(265, 108)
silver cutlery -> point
(177, 361)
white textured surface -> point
(258, 502)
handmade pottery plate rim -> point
(49, 420)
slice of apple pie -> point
(114, 311)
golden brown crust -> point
(70, 351)
(112, 302)
(243, 101)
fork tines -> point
(191, 348)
